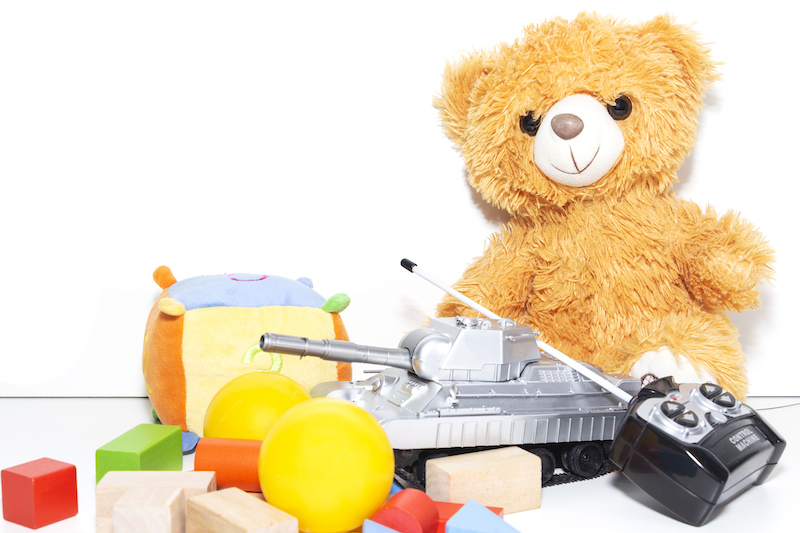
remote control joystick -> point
(694, 447)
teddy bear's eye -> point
(621, 109)
(529, 124)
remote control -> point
(694, 447)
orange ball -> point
(249, 405)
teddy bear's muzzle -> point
(578, 142)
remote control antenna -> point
(570, 362)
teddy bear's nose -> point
(567, 126)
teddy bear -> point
(577, 130)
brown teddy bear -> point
(577, 130)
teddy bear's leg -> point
(692, 346)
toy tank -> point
(465, 384)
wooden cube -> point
(115, 485)
(39, 493)
(150, 510)
(235, 511)
(510, 478)
(145, 447)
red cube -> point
(39, 493)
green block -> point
(145, 447)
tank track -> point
(410, 478)
(569, 477)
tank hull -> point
(549, 404)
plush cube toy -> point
(577, 129)
(204, 331)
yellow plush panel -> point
(216, 341)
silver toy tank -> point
(466, 383)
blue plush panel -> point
(244, 290)
(475, 518)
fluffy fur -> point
(619, 267)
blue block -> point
(396, 487)
(475, 518)
(374, 527)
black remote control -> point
(694, 447)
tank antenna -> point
(564, 358)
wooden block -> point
(409, 511)
(114, 485)
(145, 447)
(234, 460)
(510, 478)
(475, 518)
(235, 511)
(39, 492)
(150, 510)
(373, 527)
(447, 510)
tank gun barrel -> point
(333, 350)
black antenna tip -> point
(408, 264)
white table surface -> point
(71, 429)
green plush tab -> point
(145, 447)
(336, 303)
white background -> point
(299, 139)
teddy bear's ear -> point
(694, 55)
(458, 92)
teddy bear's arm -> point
(501, 279)
(724, 259)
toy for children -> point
(409, 511)
(235, 511)
(577, 130)
(475, 518)
(115, 485)
(328, 463)
(234, 460)
(373, 527)
(510, 478)
(447, 510)
(694, 448)
(151, 510)
(202, 333)
(463, 383)
(509, 396)
(39, 493)
(145, 447)
(247, 406)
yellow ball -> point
(249, 405)
(328, 463)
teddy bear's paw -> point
(662, 363)
(735, 274)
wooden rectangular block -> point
(235, 511)
(114, 485)
(145, 447)
(150, 510)
(510, 478)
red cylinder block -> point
(409, 511)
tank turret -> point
(450, 349)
